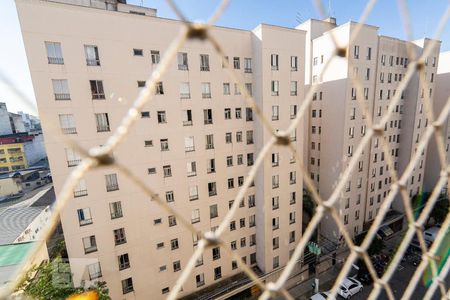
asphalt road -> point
(398, 283)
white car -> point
(322, 296)
(349, 287)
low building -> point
(19, 151)
(10, 186)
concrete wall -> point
(35, 150)
(5, 124)
(10, 186)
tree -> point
(375, 246)
(440, 210)
(49, 282)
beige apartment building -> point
(433, 165)
(336, 124)
(193, 144)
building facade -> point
(193, 144)
(337, 125)
(20, 151)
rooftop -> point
(11, 256)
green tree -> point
(375, 247)
(52, 280)
(440, 210)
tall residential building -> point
(193, 144)
(433, 165)
(20, 151)
(337, 125)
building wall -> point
(33, 231)
(433, 161)
(5, 124)
(17, 123)
(116, 38)
(35, 150)
(12, 157)
(10, 186)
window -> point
(213, 212)
(275, 223)
(148, 143)
(208, 118)
(216, 253)
(185, 92)
(240, 159)
(252, 221)
(292, 177)
(293, 88)
(67, 124)
(251, 198)
(206, 90)
(200, 279)
(275, 181)
(84, 216)
(275, 159)
(92, 57)
(226, 88)
(195, 216)
(293, 111)
(124, 261)
(249, 159)
(248, 114)
(237, 89)
(138, 52)
(167, 171)
(94, 271)
(249, 88)
(159, 90)
(227, 112)
(236, 63)
(294, 63)
(193, 193)
(292, 198)
(369, 53)
(212, 191)
(228, 138)
(89, 244)
(115, 209)
(161, 117)
(61, 89)
(367, 73)
(204, 62)
(275, 87)
(119, 236)
(172, 221)
(275, 243)
(189, 144)
(209, 141)
(111, 182)
(164, 144)
(211, 166)
(54, 53)
(102, 121)
(97, 89)
(292, 237)
(247, 65)
(127, 285)
(182, 60)
(229, 161)
(292, 217)
(356, 52)
(155, 56)
(230, 183)
(217, 273)
(81, 189)
(249, 137)
(187, 117)
(191, 168)
(274, 61)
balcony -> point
(55, 60)
(274, 68)
(85, 222)
(275, 118)
(73, 162)
(275, 164)
(275, 185)
(62, 96)
(187, 123)
(275, 227)
(185, 95)
(196, 220)
(92, 62)
(212, 193)
(216, 256)
(208, 121)
(183, 67)
(80, 193)
(291, 221)
(206, 95)
(191, 174)
(248, 70)
(193, 197)
(102, 128)
(209, 146)
(293, 93)
(90, 249)
(200, 283)
(112, 187)
(293, 116)
(189, 149)
(204, 68)
(69, 130)
(98, 96)
(294, 69)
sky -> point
(244, 14)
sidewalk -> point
(305, 290)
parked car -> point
(322, 296)
(349, 287)
(431, 233)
